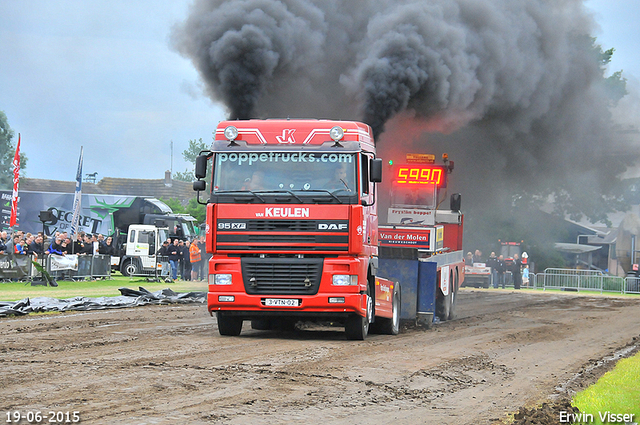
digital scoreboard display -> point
(419, 175)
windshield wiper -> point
(320, 190)
(217, 192)
(283, 190)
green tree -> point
(615, 85)
(193, 208)
(184, 176)
(7, 152)
(196, 210)
(595, 202)
(175, 205)
(195, 147)
(190, 154)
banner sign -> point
(77, 197)
(63, 262)
(96, 211)
(411, 216)
(407, 237)
(13, 220)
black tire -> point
(392, 326)
(357, 327)
(443, 307)
(229, 325)
(129, 268)
(284, 325)
(452, 307)
(261, 324)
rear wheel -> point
(261, 324)
(452, 307)
(229, 325)
(357, 327)
(283, 324)
(443, 306)
(392, 326)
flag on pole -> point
(77, 197)
(16, 178)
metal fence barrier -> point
(14, 267)
(578, 280)
(101, 266)
(152, 267)
(584, 280)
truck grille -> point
(281, 276)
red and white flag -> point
(16, 179)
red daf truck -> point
(292, 226)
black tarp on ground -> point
(129, 298)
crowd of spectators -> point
(60, 243)
(185, 258)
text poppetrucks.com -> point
(605, 417)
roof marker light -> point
(231, 133)
(336, 133)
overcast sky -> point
(101, 74)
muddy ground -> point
(167, 364)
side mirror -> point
(201, 166)
(455, 202)
(199, 185)
(375, 173)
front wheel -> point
(129, 268)
(228, 325)
(357, 327)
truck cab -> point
(292, 225)
(139, 258)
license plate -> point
(281, 302)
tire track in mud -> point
(166, 364)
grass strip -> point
(617, 392)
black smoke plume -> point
(512, 89)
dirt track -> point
(167, 364)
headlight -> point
(336, 133)
(231, 133)
(220, 279)
(345, 279)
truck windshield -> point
(187, 229)
(294, 172)
(414, 197)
